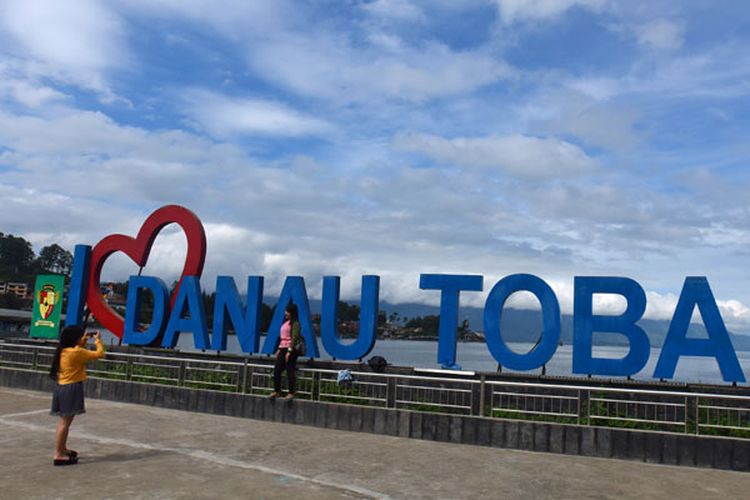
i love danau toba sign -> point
(184, 312)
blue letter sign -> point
(188, 295)
(294, 290)
(585, 323)
(131, 331)
(228, 308)
(493, 311)
(368, 319)
(696, 292)
(450, 286)
(228, 305)
(78, 285)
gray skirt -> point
(67, 399)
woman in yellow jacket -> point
(69, 371)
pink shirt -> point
(286, 335)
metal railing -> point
(661, 410)
(442, 394)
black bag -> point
(301, 347)
(377, 364)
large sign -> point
(45, 315)
(183, 312)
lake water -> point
(475, 356)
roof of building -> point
(14, 314)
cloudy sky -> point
(390, 137)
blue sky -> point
(393, 137)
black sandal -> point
(72, 454)
(66, 461)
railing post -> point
(243, 389)
(584, 398)
(697, 414)
(390, 393)
(181, 375)
(33, 359)
(129, 369)
(251, 377)
(482, 388)
(315, 389)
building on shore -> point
(21, 290)
(14, 323)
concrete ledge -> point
(572, 444)
(635, 445)
(481, 433)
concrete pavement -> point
(132, 451)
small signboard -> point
(45, 316)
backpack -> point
(377, 364)
(344, 379)
(301, 346)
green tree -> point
(55, 259)
(347, 312)
(120, 288)
(266, 314)
(429, 324)
(209, 299)
(10, 301)
(16, 258)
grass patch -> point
(511, 415)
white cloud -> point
(224, 116)
(287, 46)
(659, 306)
(589, 110)
(326, 66)
(592, 120)
(29, 94)
(528, 10)
(73, 132)
(514, 154)
(735, 314)
(600, 89)
(229, 18)
(660, 34)
(73, 42)
(410, 221)
(403, 10)
(356, 77)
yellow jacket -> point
(73, 362)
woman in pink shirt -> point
(286, 354)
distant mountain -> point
(522, 325)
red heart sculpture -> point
(138, 249)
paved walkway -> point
(131, 451)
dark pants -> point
(281, 365)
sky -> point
(559, 138)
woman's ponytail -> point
(55, 368)
(69, 337)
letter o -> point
(493, 310)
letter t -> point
(450, 286)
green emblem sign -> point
(45, 316)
